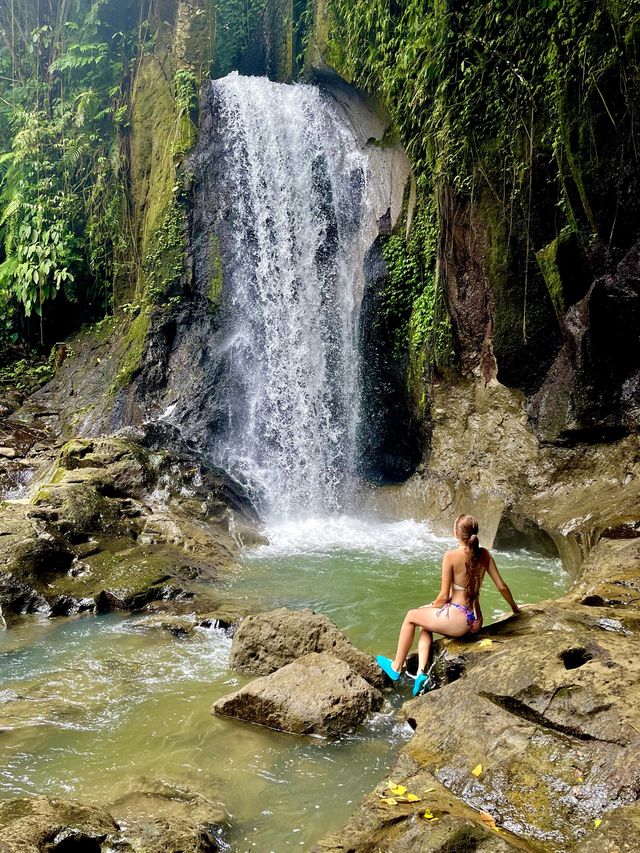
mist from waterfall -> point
(298, 224)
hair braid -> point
(467, 530)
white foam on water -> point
(399, 540)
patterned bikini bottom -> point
(468, 612)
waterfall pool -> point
(108, 710)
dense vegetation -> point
(526, 108)
(66, 69)
(68, 249)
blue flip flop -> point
(385, 666)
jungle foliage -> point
(65, 70)
(533, 106)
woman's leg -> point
(449, 622)
(425, 638)
(405, 641)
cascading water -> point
(296, 219)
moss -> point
(324, 43)
(122, 574)
(72, 450)
(153, 176)
(215, 285)
(163, 263)
(134, 351)
(44, 495)
(546, 258)
(549, 262)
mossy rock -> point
(564, 269)
(134, 349)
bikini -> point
(468, 612)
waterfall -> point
(293, 222)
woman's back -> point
(467, 575)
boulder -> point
(267, 641)
(611, 575)
(316, 694)
(436, 823)
(160, 817)
(538, 728)
(43, 825)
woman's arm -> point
(447, 580)
(501, 586)
(477, 624)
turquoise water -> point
(102, 708)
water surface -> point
(102, 708)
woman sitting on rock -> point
(456, 610)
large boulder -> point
(316, 694)
(267, 641)
(42, 825)
(538, 729)
(435, 822)
(160, 817)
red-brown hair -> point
(466, 528)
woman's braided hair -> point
(466, 527)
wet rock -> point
(128, 467)
(618, 832)
(30, 557)
(161, 817)
(44, 553)
(178, 626)
(611, 574)
(544, 711)
(66, 605)
(17, 597)
(452, 827)
(316, 694)
(10, 400)
(43, 825)
(172, 836)
(267, 641)
(502, 471)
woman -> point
(456, 610)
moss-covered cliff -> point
(521, 126)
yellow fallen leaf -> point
(485, 817)
(413, 798)
(580, 779)
(390, 801)
(391, 784)
(483, 644)
(477, 770)
(398, 790)
(427, 815)
(597, 822)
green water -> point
(107, 708)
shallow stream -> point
(108, 709)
